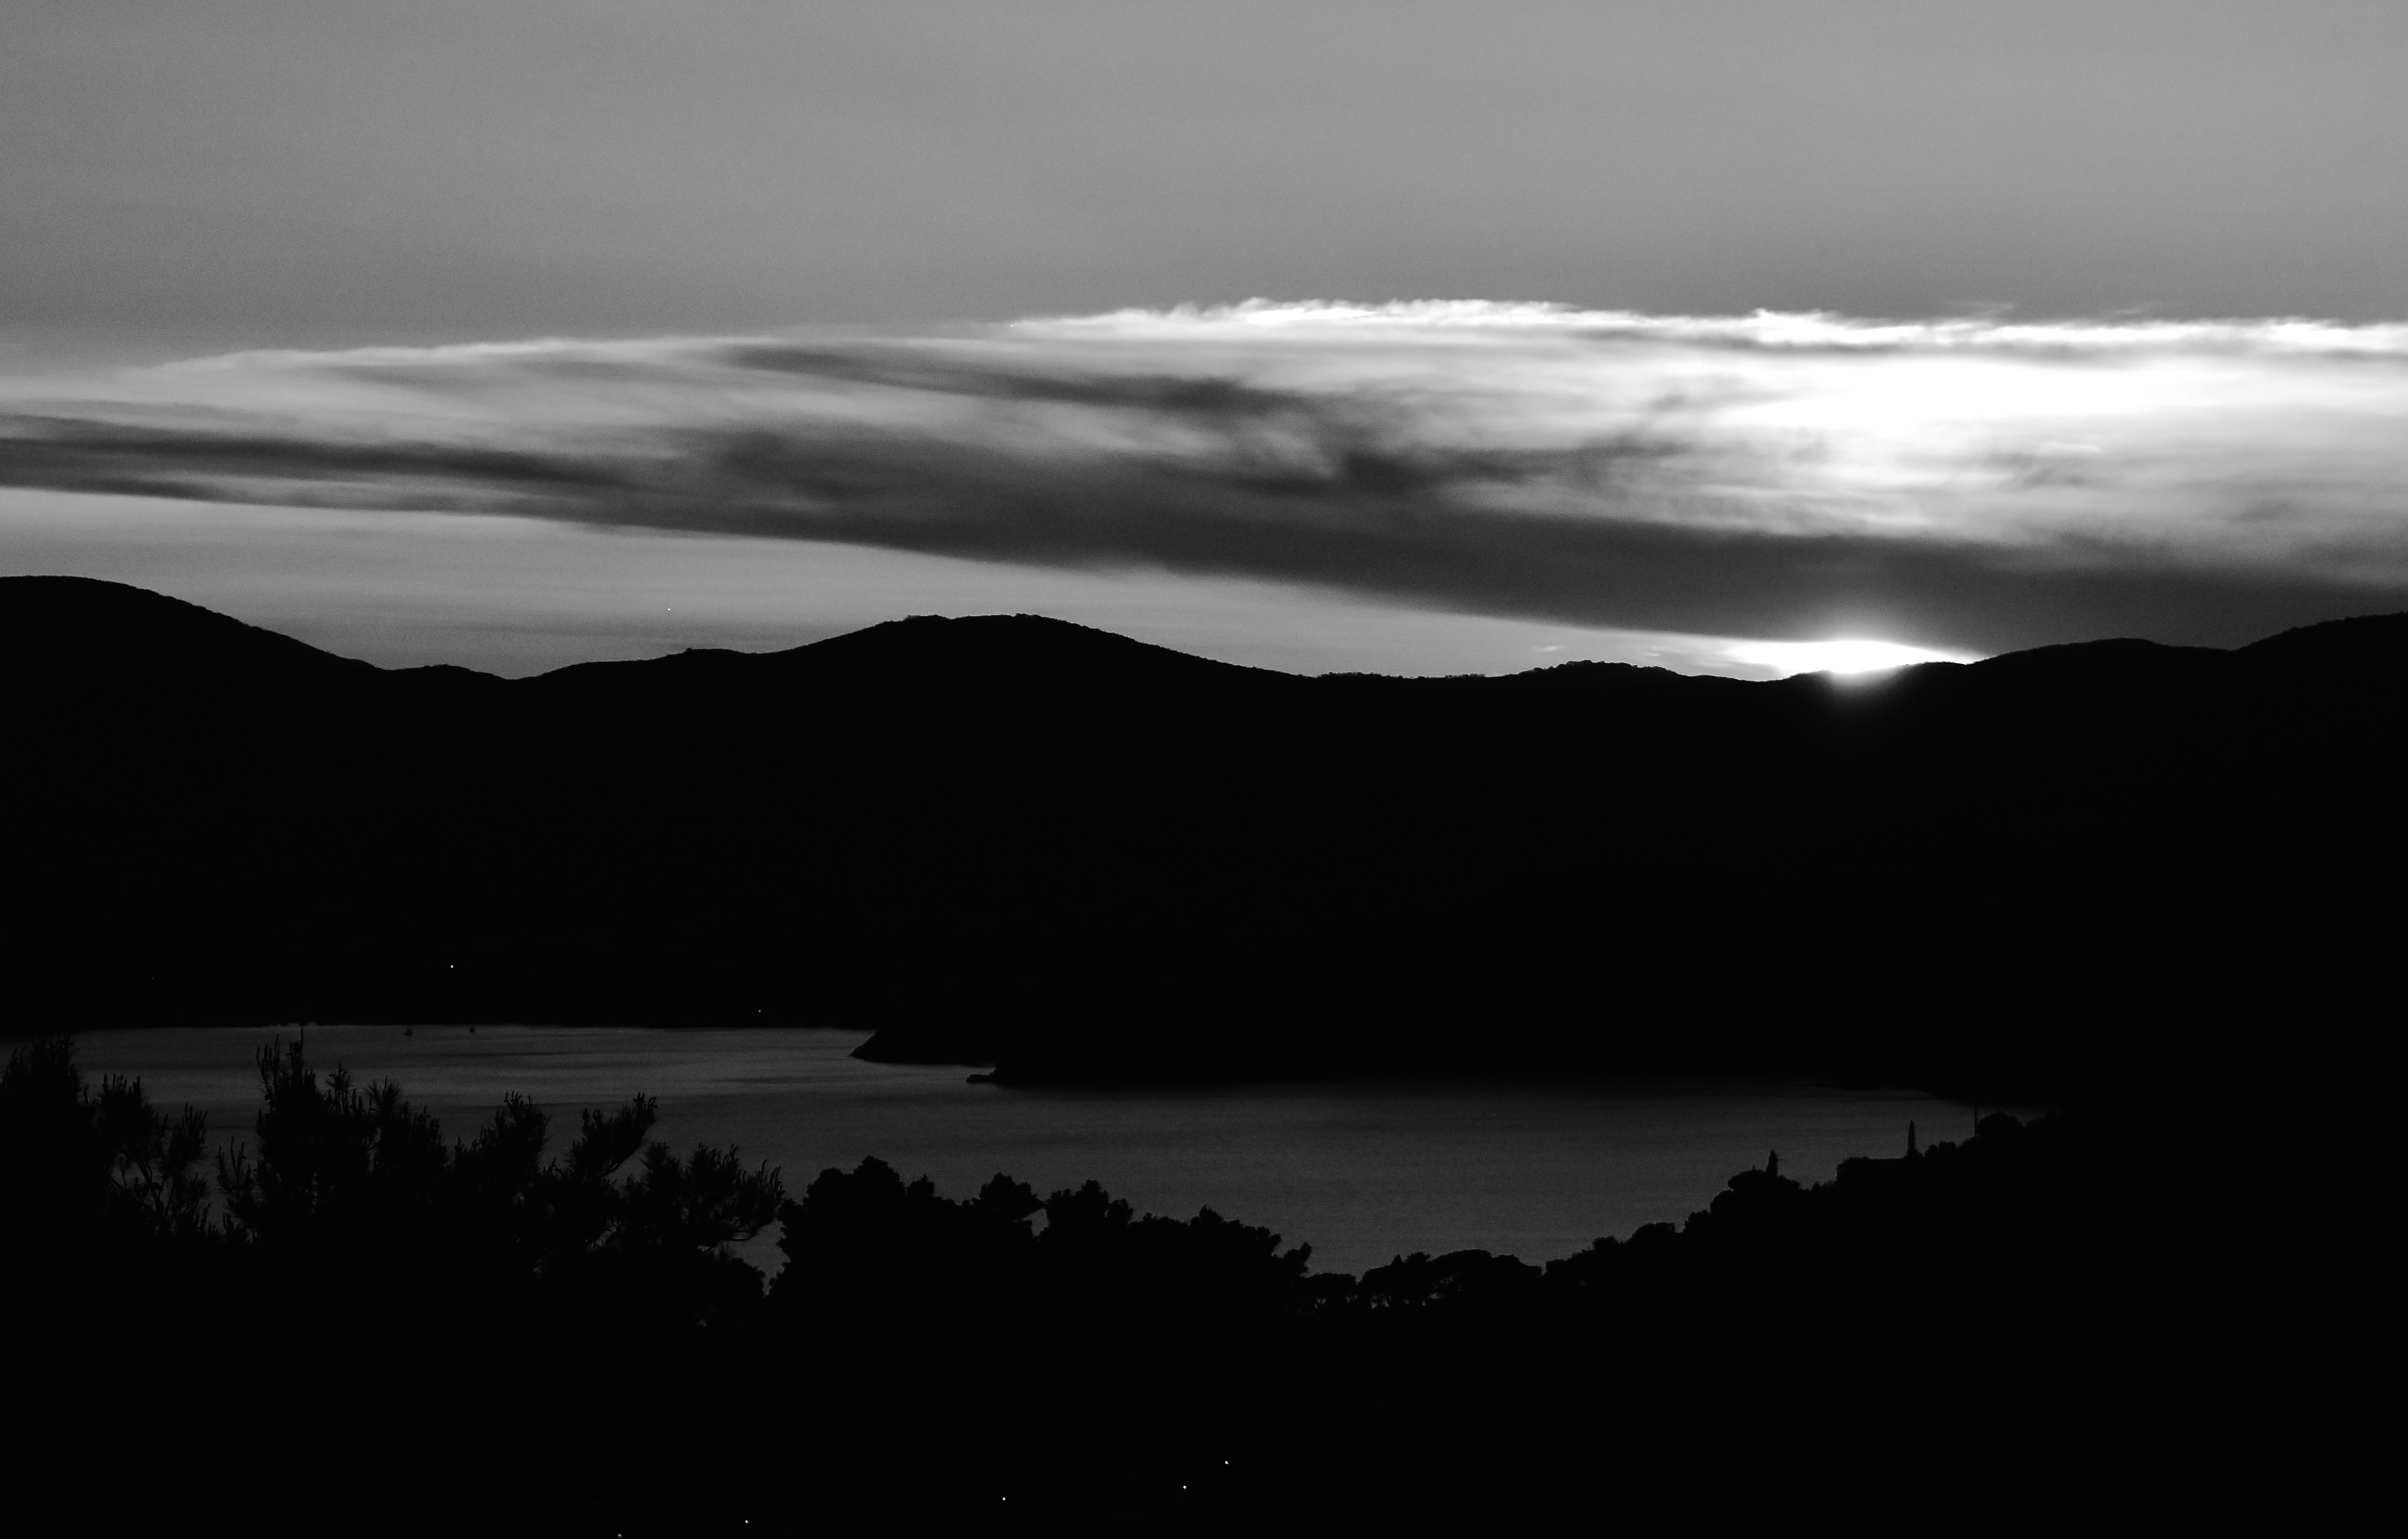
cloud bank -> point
(1966, 484)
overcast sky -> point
(892, 186)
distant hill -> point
(1016, 840)
(60, 635)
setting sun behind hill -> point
(1847, 654)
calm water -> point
(1362, 1172)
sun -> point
(1845, 654)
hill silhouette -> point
(69, 634)
(1014, 841)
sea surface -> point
(1361, 1171)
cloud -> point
(1963, 484)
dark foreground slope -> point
(2052, 1323)
(1019, 841)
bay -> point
(1363, 1172)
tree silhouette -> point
(111, 1164)
(926, 1356)
(156, 1162)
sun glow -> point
(1846, 654)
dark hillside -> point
(65, 635)
(1017, 840)
(2053, 1317)
(2365, 649)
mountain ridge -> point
(32, 606)
(1014, 839)
(65, 633)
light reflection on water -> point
(1361, 1171)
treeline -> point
(347, 1183)
(345, 1323)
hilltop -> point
(1009, 840)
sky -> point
(1411, 336)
